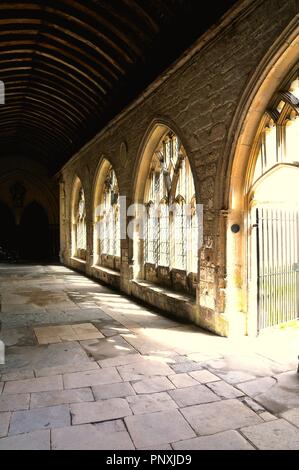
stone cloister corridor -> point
(89, 368)
(149, 226)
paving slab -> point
(155, 384)
(193, 395)
(4, 423)
(41, 384)
(273, 435)
(233, 376)
(67, 368)
(283, 395)
(292, 416)
(34, 357)
(14, 402)
(107, 348)
(227, 440)
(88, 437)
(120, 360)
(103, 410)
(224, 390)
(37, 440)
(157, 447)
(219, 416)
(257, 386)
(142, 404)
(158, 428)
(204, 376)
(143, 368)
(41, 418)
(182, 380)
(117, 390)
(91, 378)
(266, 416)
(60, 397)
(186, 367)
(17, 375)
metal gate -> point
(277, 255)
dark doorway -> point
(8, 240)
(34, 235)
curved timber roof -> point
(70, 65)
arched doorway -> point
(273, 246)
(34, 234)
(263, 253)
(7, 232)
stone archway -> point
(34, 233)
(270, 76)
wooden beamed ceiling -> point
(70, 65)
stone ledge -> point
(78, 264)
(106, 275)
(180, 305)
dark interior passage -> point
(34, 234)
(7, 231)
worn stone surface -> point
(227, 440)
(42, 418)
(182, 380)
(14, 402)
(155, 384)
(193, 395)
(292, 416)
(60, 397)
(274, 435)
(157, 447)
(4, 423)
(142, 369)
(67, 368)
(204, 376)
(219, 416)
(283, 395)
(224, 390)
(107, 348)
(120, 360)
(158, 428)
(266, 416)
(142, 404)
(37, 440)
(51, 355)
(41, 384)
(91, 378)
(88, 437)
(185, 367)
(258, 386)
(117, 390)
(99, 411)
(17, 375)
(162, 341)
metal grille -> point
(277, 252)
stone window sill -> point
(161, 290)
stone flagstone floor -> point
(143, 382)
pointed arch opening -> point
(166, 243)
(79, 225)
(106, 222)
(263, 201)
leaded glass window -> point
(109, 223)
(170, 230)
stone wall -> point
(197, 98)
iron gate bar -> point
(277, 250)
